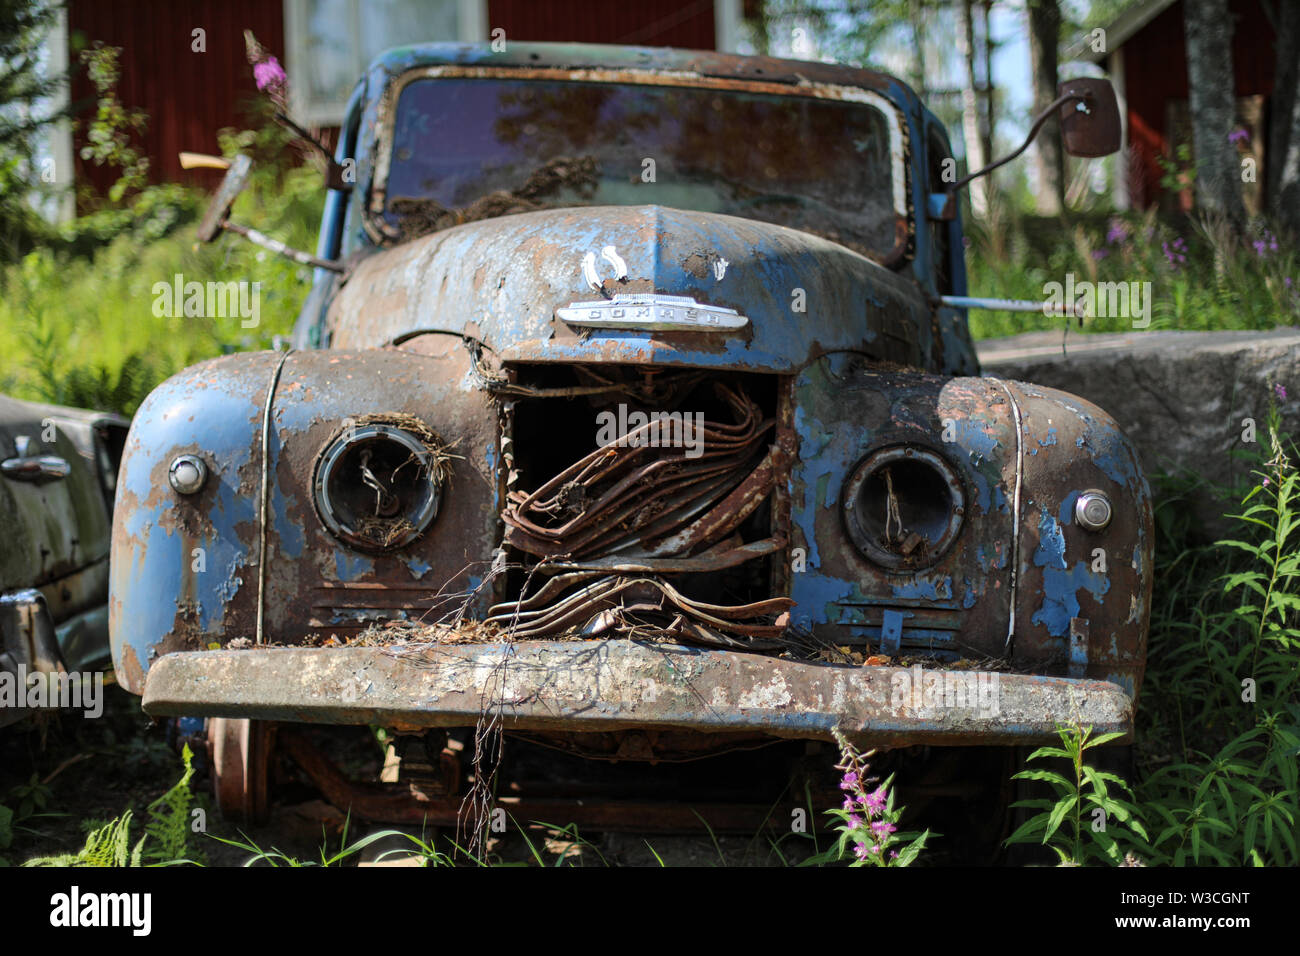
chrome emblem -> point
(652, 311)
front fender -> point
(185, 569)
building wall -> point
(188, 96)
(1155, 73)
(679, 23)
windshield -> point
(471, 148)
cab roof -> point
(706, 63)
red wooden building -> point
(1145, 55)
(183, 61)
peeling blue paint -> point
(1060, 596)
(1066, 513)
(1051, 543)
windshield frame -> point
(899, 139)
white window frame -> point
(471, 24)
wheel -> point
(240, 754)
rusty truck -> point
(632, 412)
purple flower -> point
(1175, 252)
(1266, 244)
(882, 828)
(875, 801)
(1117, 232)
(1239, 135)
(848, 804)
(850, 781)
(1265, 482)
(1280, 391)
(860, 851)
(269, 74)
(854, 821)
(1099, 254)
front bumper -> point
(620, 684)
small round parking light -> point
(1092, 510)
(187, 474)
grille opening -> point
(668, 503)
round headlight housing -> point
(378, 486)
(903, 507)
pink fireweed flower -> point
(1280, 391)
(1117, 232)
(269, 74)
(860, 851)
(848, 804)
(850, 781)
(882, 828)
(875, 801)
(854, 821)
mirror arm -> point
(278, 247)
(1039, 120)
(334, 178)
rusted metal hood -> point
(501, 281)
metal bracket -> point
(1078, 646)
(891, 632)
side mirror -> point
(236, 179)
(1089, 127)
(1090, 123)
(216, 219)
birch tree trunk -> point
(1049, 156)
(970, 110)
(1282, 161)
(1212, 102)
(986, 130)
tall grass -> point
(77, 322)
(1202, 278)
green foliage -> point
(25, 112)
(1221, 692)
(109, 136)
(77, 315)
(80, 329)
(108, 845)
(23, 804)
(1178, 173)
(163, 842)
(1087, 820)
(1219, 724)
(168, 830)
(1200, 278)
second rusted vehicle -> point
(631, 410)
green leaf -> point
(1057, 815)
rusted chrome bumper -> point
(618, 684)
